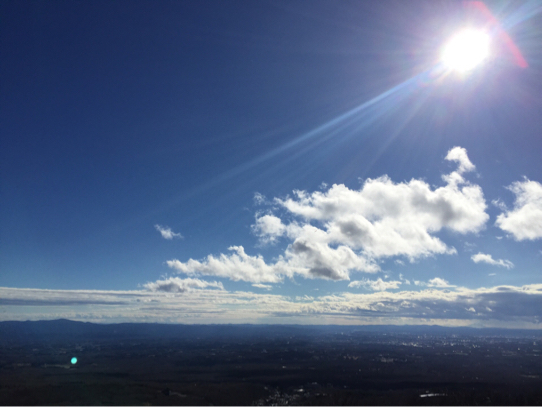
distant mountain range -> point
(65, 329)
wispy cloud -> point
(524, 222)
(167, 233)
(486, 258)
(335, 232)
(259, 199)
(403, 279)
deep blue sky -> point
(119, 116)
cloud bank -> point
(505, 306)
(486, 258)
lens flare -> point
(74, 360)
(466, 50)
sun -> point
(466, 50)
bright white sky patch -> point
(466, 50)
(524, 222)
(167, 233)
(486, 258)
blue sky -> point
(271, 161)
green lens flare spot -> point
(74, 361)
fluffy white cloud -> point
(486, 258)
(375, 285)
(180, 285)
(308, 259)
(313, 258)
(235, 266)
(524, 222)
(459, 155)
(384, 218)
(335, 232)
(268, 228)
(167, 233)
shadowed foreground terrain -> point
(153, 364)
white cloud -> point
(384, 218)
(264, 286)
(180, 285)
(235, 266)
(269, 228)
(486, 258)
(308, 259)
(335, 232)
(439, 283)
(524, 222)
(459, 155)
(375, 285)
(436, 282)
(167, 233)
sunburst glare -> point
(466, 50)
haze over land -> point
(154, 364)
